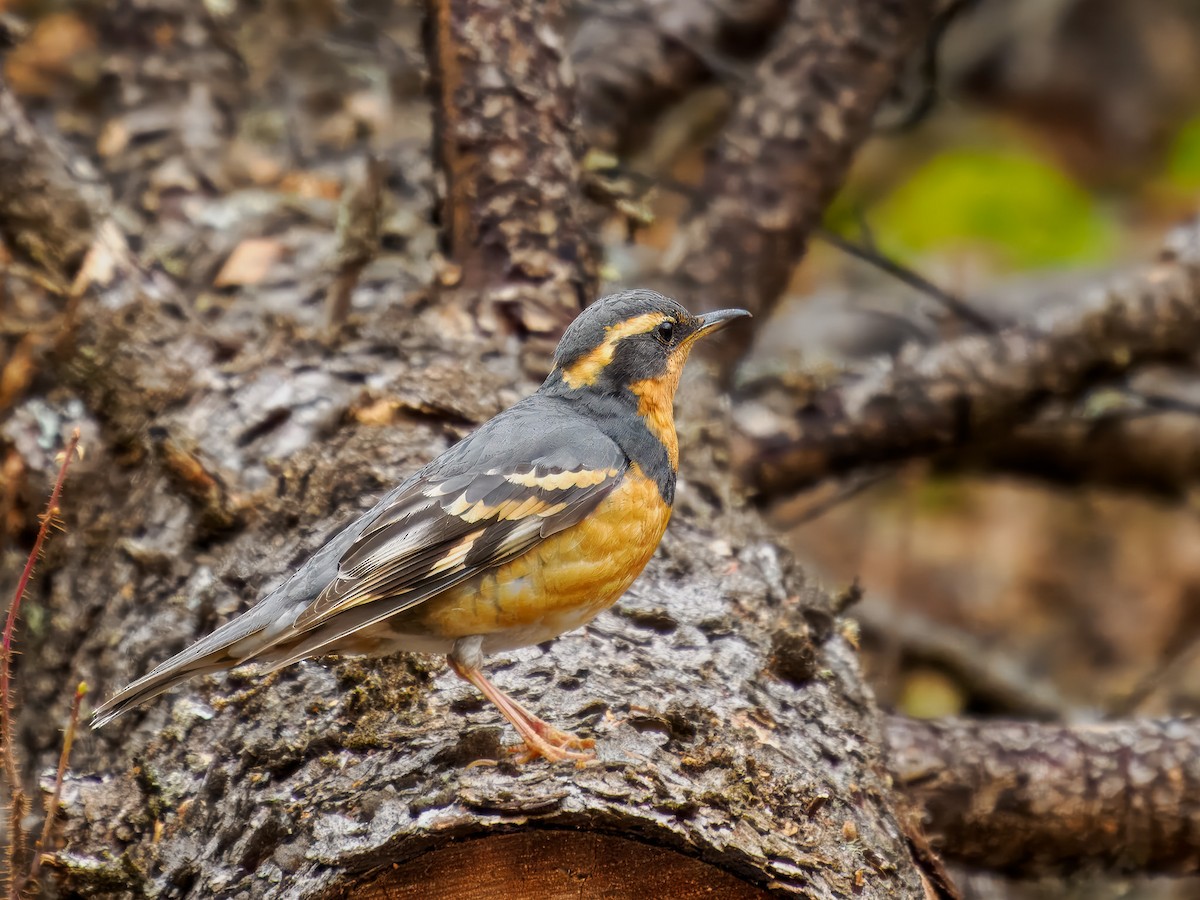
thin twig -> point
(64, 757)
(928, 70)
(852, 487)
(12, 771)
(914, 280)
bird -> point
(525, 529)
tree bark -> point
(1147, 451)
(787, 147)
(329, 774)
(508, 150)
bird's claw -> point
(556, 746)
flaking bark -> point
(507, 148)
(710, 745)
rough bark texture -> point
(965, 390)
(634, 59)
(788, 145)
(734, 731)
(1035, 799)
(711, 743)
(507, 149)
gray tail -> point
(229, 645)
(146, 688)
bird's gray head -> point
(631, 338)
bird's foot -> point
(544, 741)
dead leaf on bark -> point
(249, 262)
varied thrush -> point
(525, 529)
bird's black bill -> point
(715, 321)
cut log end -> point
(550, 865)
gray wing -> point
(526, 475)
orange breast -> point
(563, 582)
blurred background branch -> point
(1032, 799)
(966, 391)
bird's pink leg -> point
(541, 738)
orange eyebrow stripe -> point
(584, 371)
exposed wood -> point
(554, 865)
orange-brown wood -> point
(554, 865)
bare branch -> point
(1037, 799)
(788, 146)
(976, 387)
(635, 59)
(1154, 453)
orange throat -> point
(656, 405)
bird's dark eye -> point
(665, 332)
